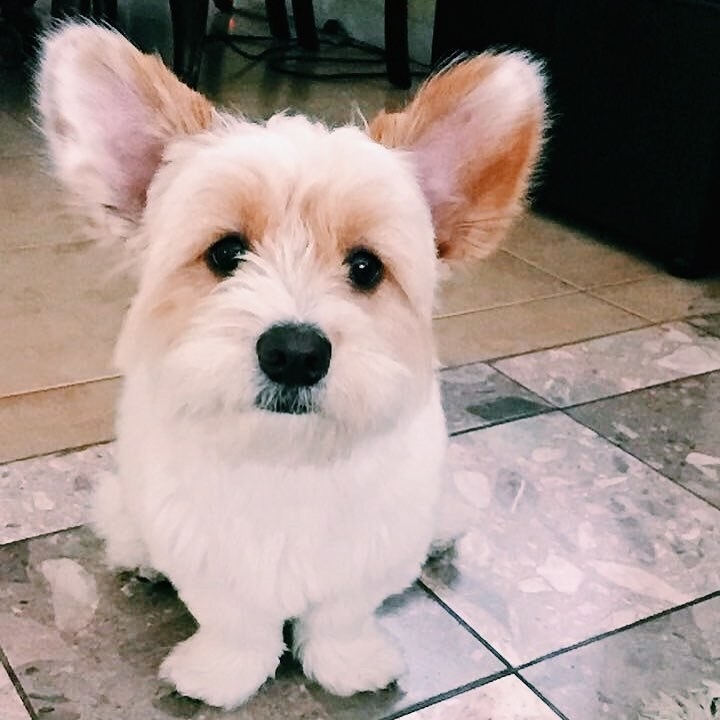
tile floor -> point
(582, 388)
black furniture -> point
(634, 150)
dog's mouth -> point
(287, 400)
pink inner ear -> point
(434, 159)
(443, 151)
(131, 150)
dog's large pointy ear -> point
(108, 111)
(474, 131)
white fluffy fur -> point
(259, 517)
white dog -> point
(280, 433)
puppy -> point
(280, 432)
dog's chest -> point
(298, 532)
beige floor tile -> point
(60, 314)
(32, 207)
(502, 279)
(56, 349)
(663, 297)
(259, 92)
(572, 255)
(16, 92)
(526, 327)
(57, 419)
(17, 138)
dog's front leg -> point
(234, 650)
(342, 646)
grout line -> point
(545, 348)
(537, 266)
(615, 443)
(509, 303)
(613, 303)
(41, 535)
(541, 697)
(62, 386)
(448, 694)
(643, 461)
(19, 689)
(464, 624)
(616, 631)
(589, 293)
(503, 421)
(648, 324)
(611, 396)
(581, 341)
(60, 453)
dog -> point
(280, 434)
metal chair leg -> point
(305, 29)
(278, 19)
(189, 23)
(397, 57)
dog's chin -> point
(287, 400)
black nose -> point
(296, 355)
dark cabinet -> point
(634, 148)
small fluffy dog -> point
(280, 433)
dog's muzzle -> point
(294, 357)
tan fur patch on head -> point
(175, 107)
(161, 314)
(434, 100)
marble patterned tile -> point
(675, 428)
(477, 395)
(11, 706)
(48, 493)
(615, 364)
(525, 327)
(86, 643)
(666, 669)
(504, 699)
(569, 537)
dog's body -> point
(280, 436)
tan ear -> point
(108, 112)
(474, 131)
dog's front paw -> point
(207, 668)
(343, 666)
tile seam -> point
(59, 387)
(17, 685)
(616, 631)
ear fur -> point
(474, 132)
(108, 111)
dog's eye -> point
(365, 269)
(225, 255)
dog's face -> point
(286, 268)
(289, 269)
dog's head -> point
(285, 267)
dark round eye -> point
(365, 269)
(223, 256)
